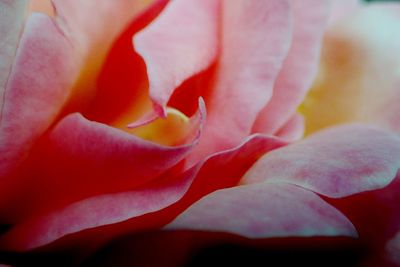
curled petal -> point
(180, 43)
(265, 210)
(255, 39)
(48, 66)
(154, 200)
(98, 158)
(336, 162)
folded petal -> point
(299, 68)
(293, 130)
(336, 162)
(358, 79)
(50, 67)
(265, 210)
(218, 171)
(98, 158)
(180, 43)
(255, 39)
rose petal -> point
(181, 42)
(255, 41)
(337, 162)
(342, 8)
(98, 158)
(32, 100)
(265, 210)
(299, 68)
(393, 249)
(42, 6)
(86, 32)
(293, 130)
(218, 171)
(58, 50)
(12, 14)
(359, 77)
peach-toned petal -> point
(293, 130)
(42, 6)
(299, 68)
(255, 40)
(180, 43)
(99, 158)
(41, 75)
(359, 78)
(51, 56)
(265, 210)
(337, 162)
(216, 172)
(12, 14)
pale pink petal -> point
(299, 68)
(41, 76)
(293, 130)
(359, 78)
(343, 8)
(265, 210)
(12, 14)
(255, 40)
(336, 162)
(218, 171)
(180, 43)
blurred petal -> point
(216, 172)
(12, 14)
(359, 78)
(265, 210)
(337, 162)
(299, 68)
(255, 40)
(393, 249)
(180, 43)
(343, 8)
(42, 6)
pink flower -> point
(184, 117)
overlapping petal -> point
(299, 68)
(336, 162)
(265, 210)
(180, 43)
(218, 171)
(36, 92)
(98, 158)
(255, 38)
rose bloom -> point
(165, 133)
